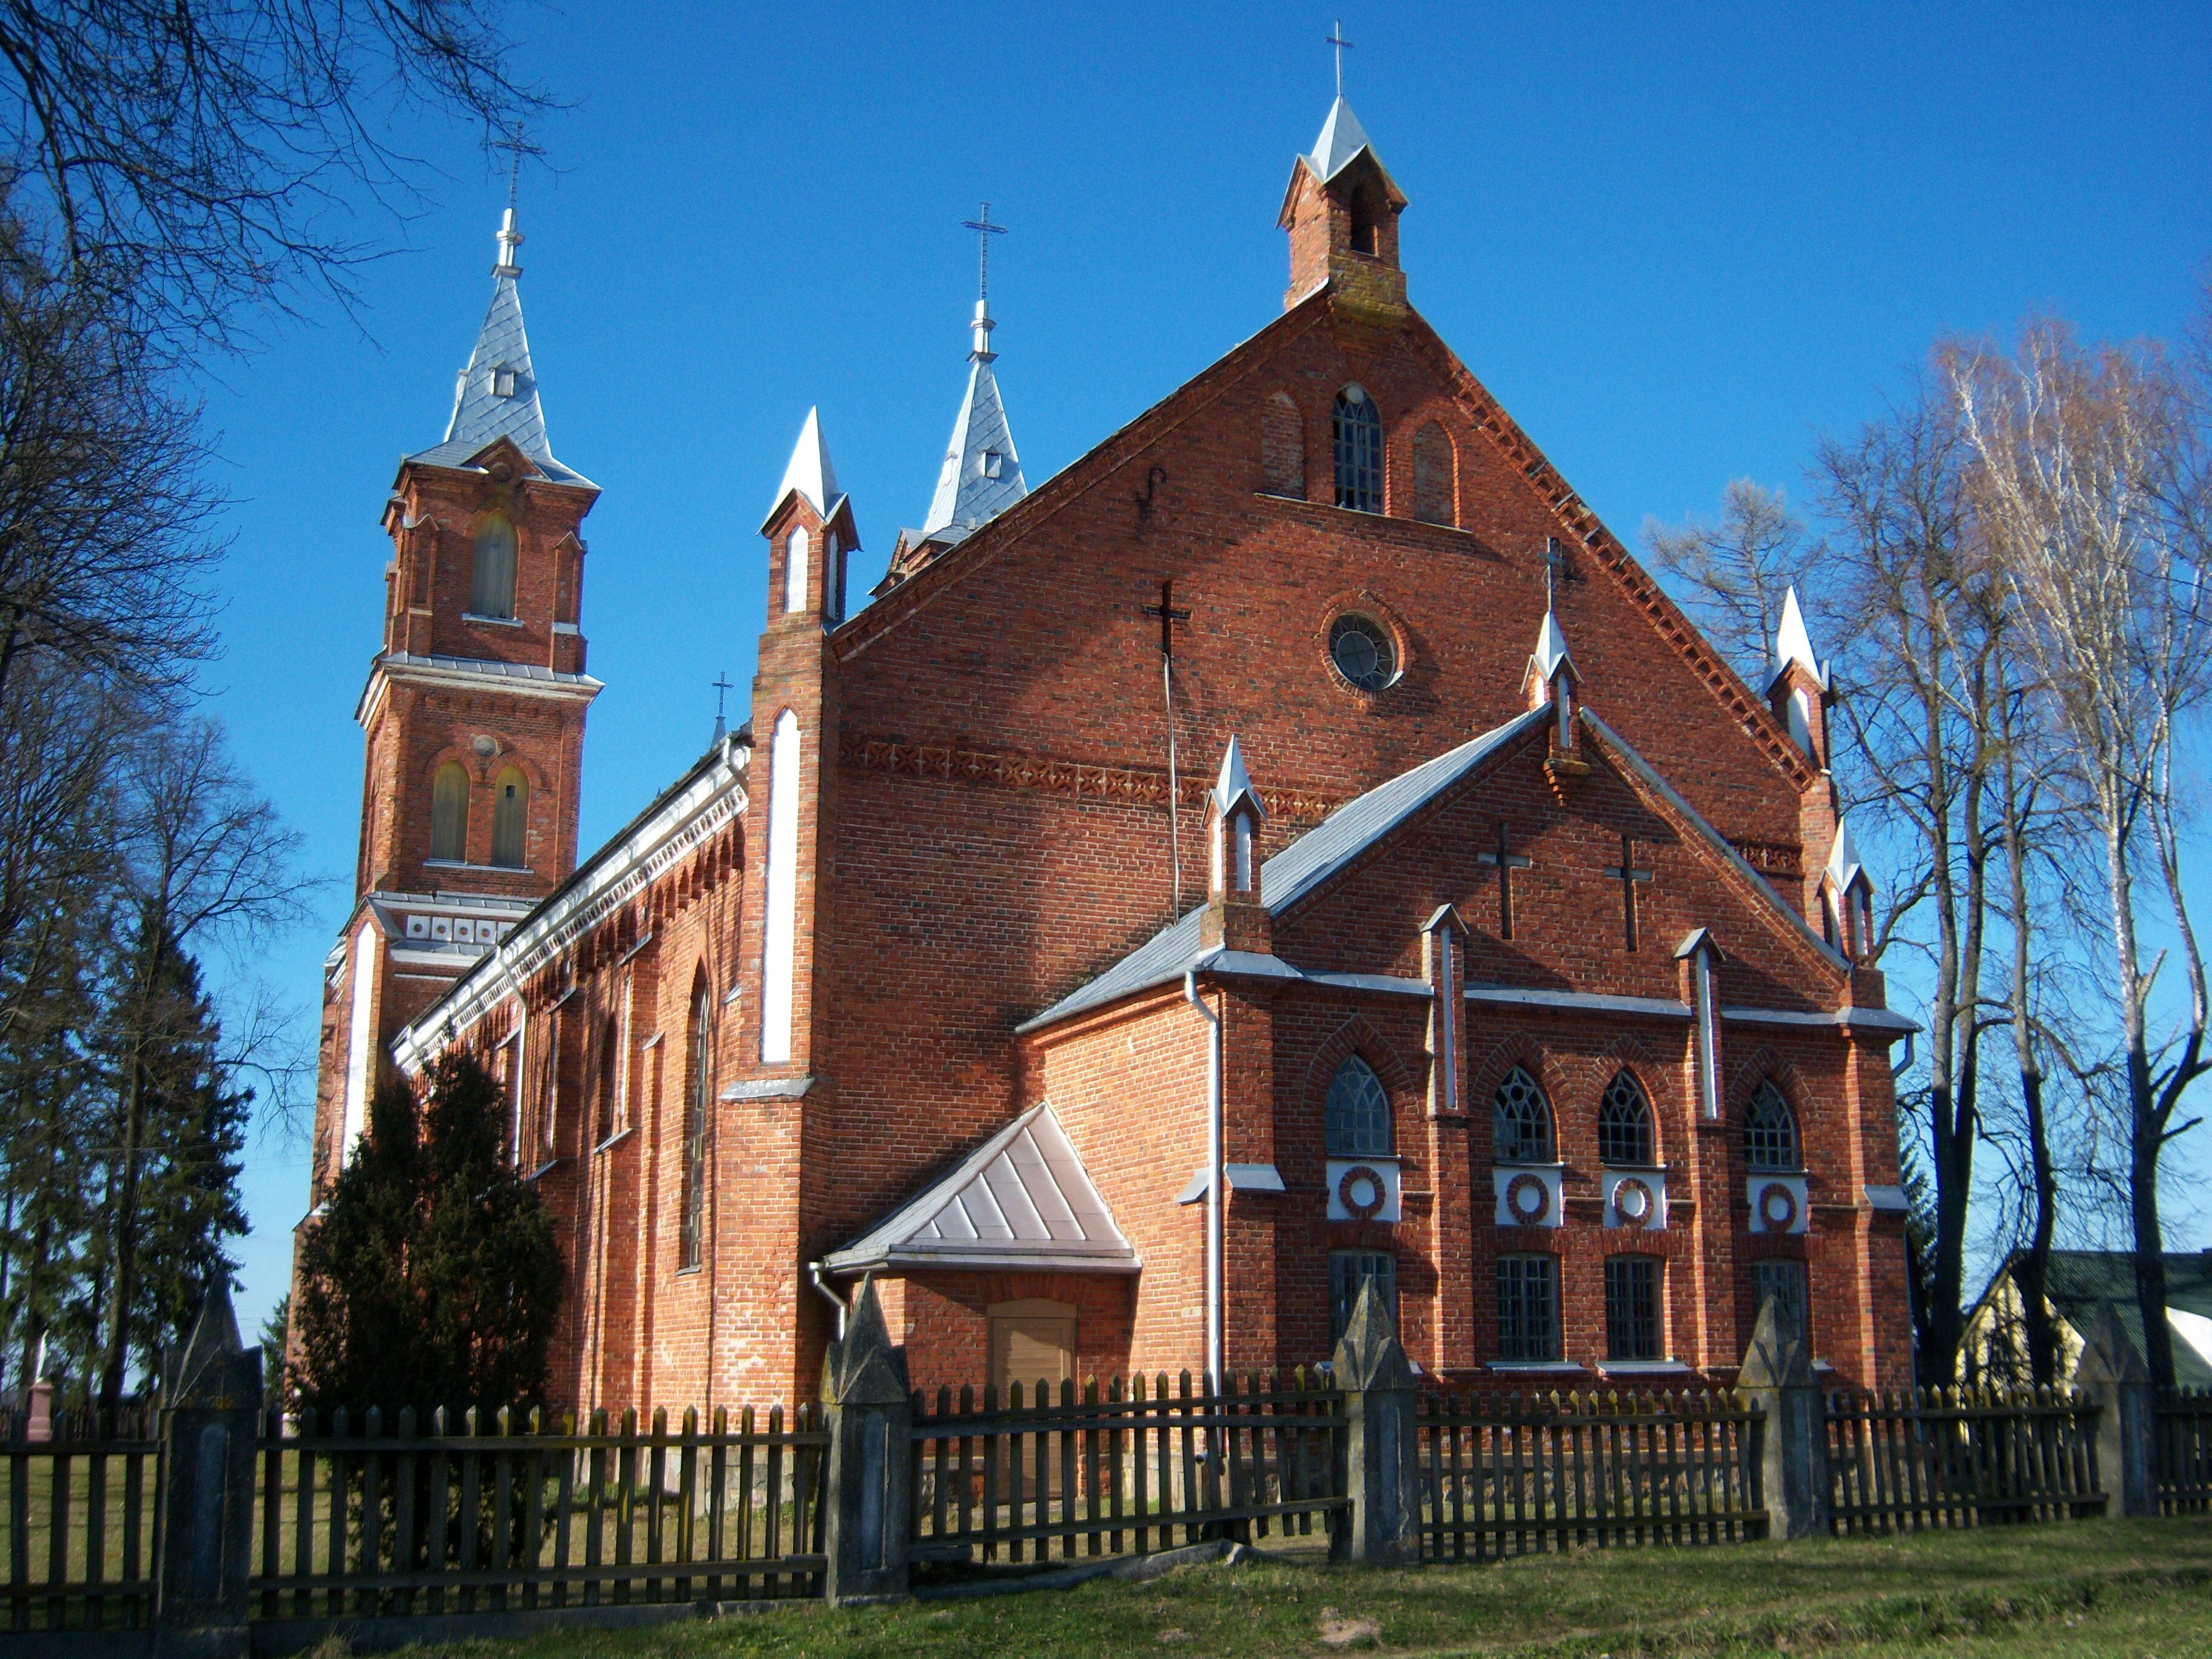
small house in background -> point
(2080, 1283)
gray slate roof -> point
(479, 418)
(1298, 869)
(967, 497)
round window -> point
(1362, 651)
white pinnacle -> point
(1844, 858)
(810, 472)
(1793, 644)
(1235, 780)
(1551, 650)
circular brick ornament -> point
(1361, 1176)
(1633, 1202)
(1777, 1207)
(1528, 1199)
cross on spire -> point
(721, 684)
(514, 147)
(1556, 565)
(1505, 863)
(1336, 39)
(985, 230)
(1628, 875)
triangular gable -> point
(1486, 418)
(1316, 858)
(1669, 802)
(1021, 1201)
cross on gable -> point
(1168, 615)
(1505, 863)
(1628, 875)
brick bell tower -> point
(473, 710)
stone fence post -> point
(871, 1417)
(204, 1550)
(1791, 1470)
(2113, 1374)
(1377, 1458)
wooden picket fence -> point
(80, 1516)
(2185, 1452)
(1959, 1457)
(366, 1518)
(1519, 1475)
(1128, 1468)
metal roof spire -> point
(809, 471)
(982, 475)
(497, 395)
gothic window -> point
(1362, 651)
(491, 582)
(794, 570)
(1282, 447)
(1358, 451)
(1632, 1324)
(1521, 1121)
(1348, 1270)
(1358, 1112)
(449, 814)
(1783, 1281)
(1624, 1122)
(609, 1072)
(1770, 1131)
(510, 809)
(1368, 207)
(1432, 477)
(698, 1106)
(1528, 1309)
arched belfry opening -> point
(1342, 210)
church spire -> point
(495, 395)
(982, 475)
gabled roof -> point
(1716, 842)
(1021, 1200)
(481, 414)
(1297, 869)
(2080, 1283)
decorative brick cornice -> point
(1772, 858)
(1127, 786)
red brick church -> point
(1295, 846)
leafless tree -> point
(107, 543)
(1921, 665)
(1733, 572)
(203, 159)
(207, 860)
(2092, 475)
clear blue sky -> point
(1678, 243)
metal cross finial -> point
(720, 684)
(1342, 46)
(985, 230)
(514, 147)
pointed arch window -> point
(491, 580)
(1282, 447)
(1521, 1121)
(1357, 1116)
(1433, 483)
(795, 549)
(1358, 451)
(449, 814)
(1624, 1123)
(1770, 1131)
(609, 1073)
(698, 1105)
(510, 812)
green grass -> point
(2098, 1588)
